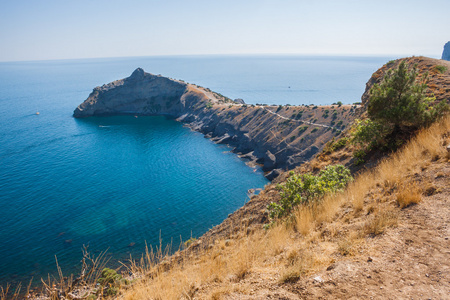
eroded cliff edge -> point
(277, 137)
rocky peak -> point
(446, 52)
(138, 73)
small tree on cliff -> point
(400, 100)
(397, 107)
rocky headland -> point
(276, 137)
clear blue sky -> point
(60, 29)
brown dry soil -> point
(409, 261)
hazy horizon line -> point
(230, 54)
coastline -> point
(278, 138)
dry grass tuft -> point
(290, 275)
(345, 247)
(304, 219)
(408, 196)
(382, 220)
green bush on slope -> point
(306, 188)
(397, 107)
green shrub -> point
(209, 105)
(368, 134)
(314, 130)
(189, 242)
(441, 69)
(306, 188)
(359, 156)
(397, 107)
(390, 63)
(302, 129)
(110, 281)
(280, 107)
(400, 100)
(341, 143)
(339, 103)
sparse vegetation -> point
(408, 196)
(307, 188)
(441, 69)
(397, 107)
(209, 105)
(382, 220)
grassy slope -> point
(370, 241)
(339, 235)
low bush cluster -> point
(397, 107)
(306, 188)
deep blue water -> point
(109, 182)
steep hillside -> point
(385, 237)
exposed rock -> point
(273, 174)
(141, 93)
(446, 52)
(270, 161)
(239, 101)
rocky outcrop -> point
(141, 93)
(271, 136)
(446, 52)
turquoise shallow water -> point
(109, 182)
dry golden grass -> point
(310, 241)
(380, 222)
(408, 195)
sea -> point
(117, 184)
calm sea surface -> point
(110, 182)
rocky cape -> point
(276, 137)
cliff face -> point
(276, 137)
(446, 52)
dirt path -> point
(300, 121)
